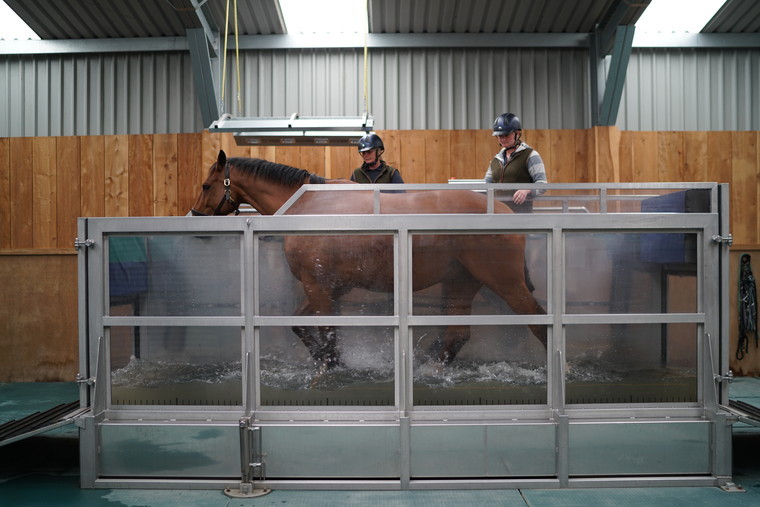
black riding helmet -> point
(506, 123)
(370, 142)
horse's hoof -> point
(320, 373)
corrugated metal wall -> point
(690, 89)
(131, 93)
(54, 95)
(419, 88)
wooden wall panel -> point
(313, 159)
(68, 189)
(288, 155)
(44, 189)
(67, 177)
(341, 161)
(212, 143)
(437, 168)
(413, 161)
(140, 176)
(38, 321)
(462, 154)
(190, 170)
(117, 176)
(165, 175)
(5, 193)
(744, 181)
(562, 168)
(230, 147)
(585, 157)
(93, 176)
(645, 157)
(541, 140)
(626, 157)
(670, 154)
(392, 156)
(695, 156)
(607, 147)
(21, 192)
(719, 160)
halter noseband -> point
(227, 197)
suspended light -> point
(296, 131)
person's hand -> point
(520, 196)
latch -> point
(81, 380)
(728, 377)
(728, 238)
(78, 243)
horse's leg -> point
(458, 291)
(507, 280)
(307, 335)
(322, 341)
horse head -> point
(216, 197)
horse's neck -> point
(266, 197)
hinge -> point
(78, 243)
(81, 380)
(728, 377)
(728, 238)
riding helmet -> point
(370, 142)
(506, 123)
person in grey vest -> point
(374, 169)
(516, 162)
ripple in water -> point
(284, 373)
(149, 373)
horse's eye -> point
(206, 187)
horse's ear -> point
(221, 161)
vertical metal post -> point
(250, 460)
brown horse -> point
(329, 268)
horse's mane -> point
(274, 172)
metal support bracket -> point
(728, 239)
(81, 380)
(732, 487)
(79, 243)
(251, 462)
(728, 377)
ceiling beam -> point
(203, 75)
(615, 16)
(210, 29)
(606, 91)
(380, 41)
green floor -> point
(44, 470)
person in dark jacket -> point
(516, 162)
(374, 169)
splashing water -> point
(149, 373)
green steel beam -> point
(203, 75)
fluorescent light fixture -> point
(296, 131)
(677, 16)
(12, 27)
(324, 16)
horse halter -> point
(227, 197)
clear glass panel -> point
(632, 363)
(343, 275)
(467, 274)
(498, 365)
(631, 273)
(364, 377)
(175, 366)
(635, 200)
(175, 275)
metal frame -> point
(404, 421)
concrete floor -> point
(44, 470)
